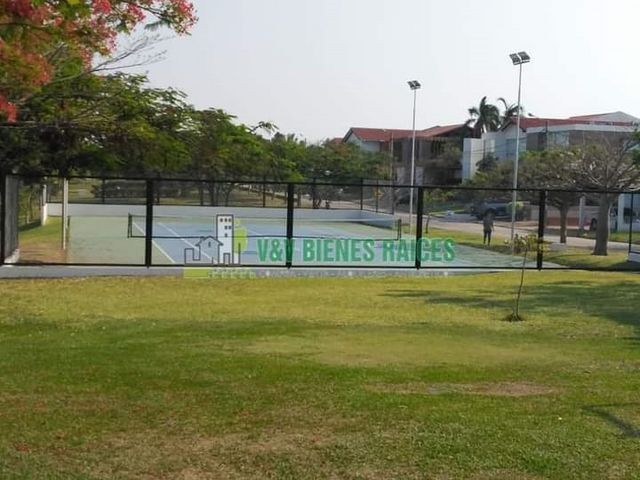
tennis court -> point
(319, 239)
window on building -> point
(437, 148)
(558, 139)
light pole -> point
(415, 86)
(518, 59)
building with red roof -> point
(434, 145)
(538, 133)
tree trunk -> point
(564, 214)
(602, 229)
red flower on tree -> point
(31, 32)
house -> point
(217, 248)
(541, 133)
(206, 250)
(438, 151)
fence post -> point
(361, 193)
(148, 234)
(65, 211)
(630, 224)
(419, 217)
(314, 193)
(103, 189)
(542, 208)
(289, 241)
(393, 196)
(3, 217)
(264, 192)
(377, 194)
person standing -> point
(487, 223)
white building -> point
(540, 133)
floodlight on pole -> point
(518, 60)
(414, 85)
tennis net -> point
(190, 227)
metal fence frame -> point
(151, 200)
(9, 192)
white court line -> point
(162, 251)
(177, 235)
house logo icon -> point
(223, 247)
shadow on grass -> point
(614, 301)
(627, 429)
(25, 227)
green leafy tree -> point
(552, 169)
(608, 164)
(509, 112)
(100, 124)
(485, 118)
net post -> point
(3, 217)
(148, 235)
(542, 208)
(361, 193)
(630, 223)
(419, 217)
(289, 240)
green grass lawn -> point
(321, 378)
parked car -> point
(499, 209)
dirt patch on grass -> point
(490, 389)
(42, 252)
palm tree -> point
(509, 111)
(485, 118)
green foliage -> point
(117, 124)
(526, 243)
(485, 117)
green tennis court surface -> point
(120, 240)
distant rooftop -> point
(387, 134)
(618, 119)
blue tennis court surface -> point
(193, 241)
(316, 242)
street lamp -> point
(518, 59)
(415, 86)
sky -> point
(318, 67)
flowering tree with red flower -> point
(33, 33)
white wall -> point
(373, 147)
(471, 155)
